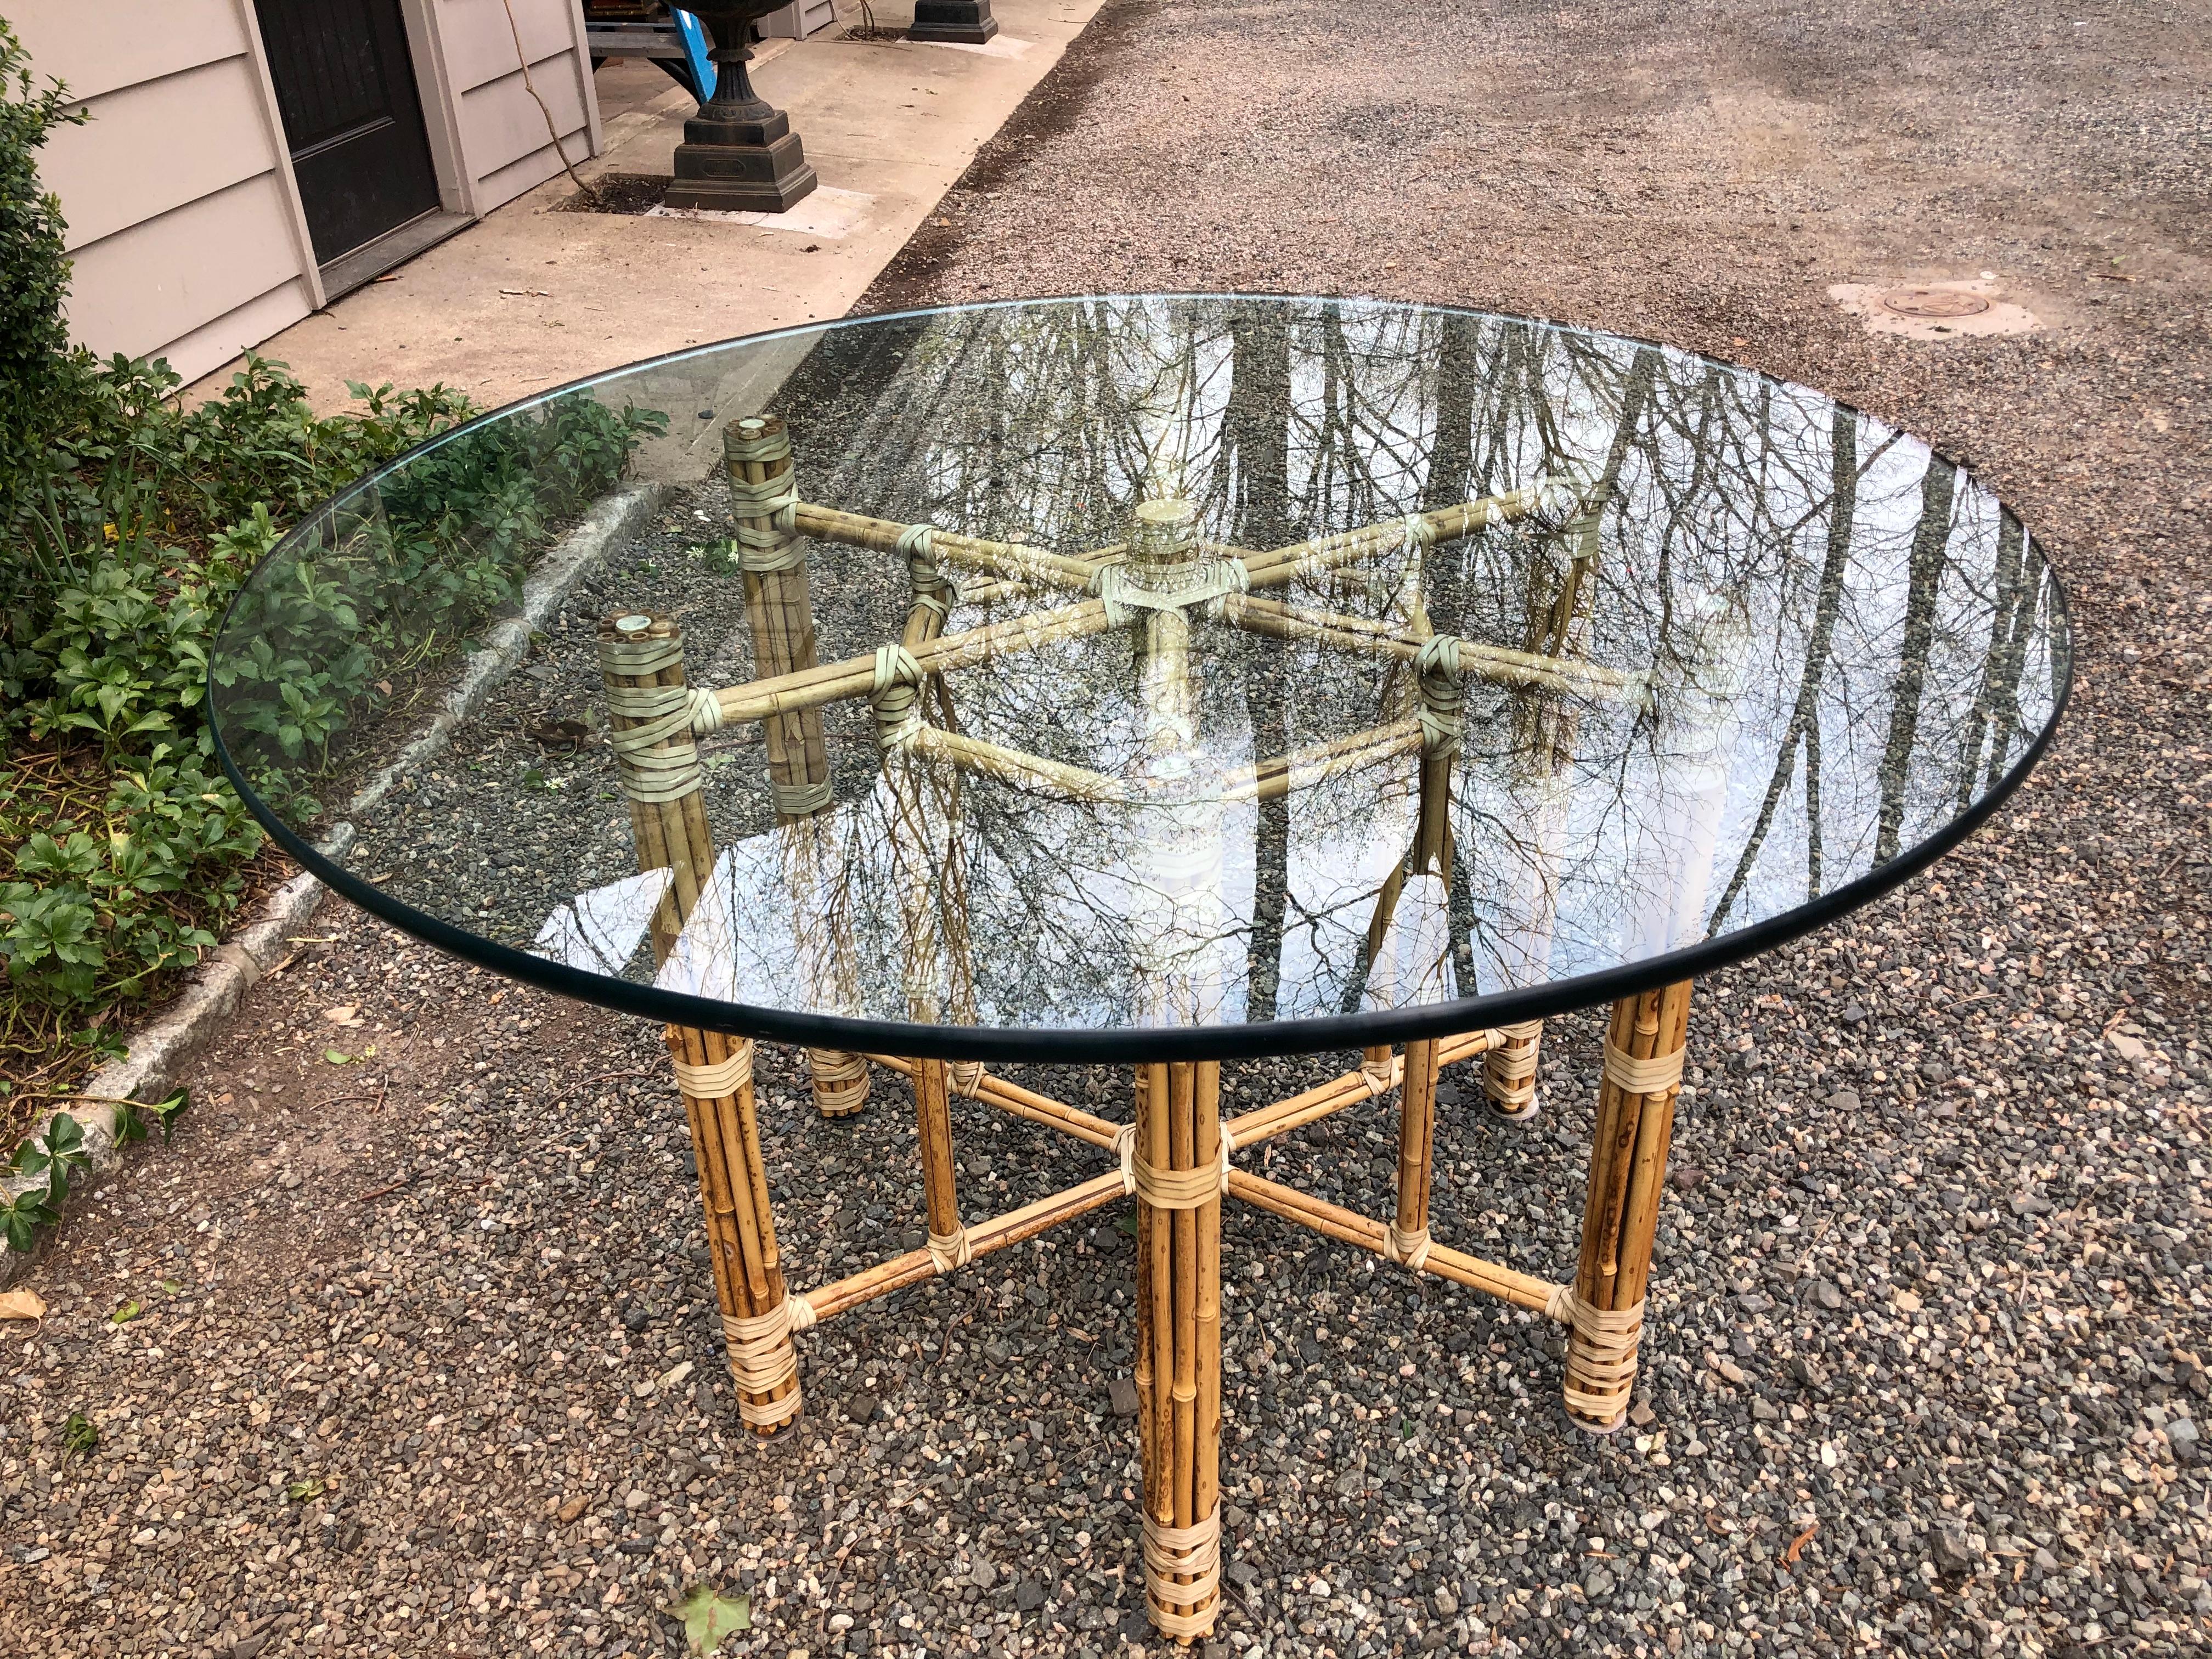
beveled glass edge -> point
(1063, 1045)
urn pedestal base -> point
(740, 166)
(963, 22)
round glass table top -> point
(1141, 677)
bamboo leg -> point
(780, 613)
(640, 656)
(1628, 1169)
(948, 1240)
(1509, 1071)
(1407, 1240)
(1179, 1347)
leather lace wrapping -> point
(762, 1358)
(1192, 1553)
(723, 1081)
(1632, 1076)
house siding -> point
(500, 130)
(184, 223)
(186, 239)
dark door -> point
(346, 85)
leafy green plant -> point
(34, 357)
(710, 1617)
(21, 1214)
(131, 1115)
(55, 1153)
(79, 1436)
(131, 521)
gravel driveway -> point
(422, 1359)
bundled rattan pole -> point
(984, 1236)
(1018, 1102)
(1325, 553)
(1466, 1045)
(1349, 1227)
(1628, 1167)
(1017, 766)
(856, 677)
(1177, 1169)
(1009, 560)
(948, 1247)
(1316, 763)
(780, 611)
(1377, 1075)
(1509, 1070)
(1502, 665)
(642, 660)
(1407, 1240)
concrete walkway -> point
(530, 298)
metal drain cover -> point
(1933, 302)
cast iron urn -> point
(738, 154)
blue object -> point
(696, 70)
(681, 47)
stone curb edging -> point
(161, 1048)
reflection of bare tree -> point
(1256, 454)
(1929, 537)
(1996, 711)
(1804, 718)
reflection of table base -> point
(1172, 1161)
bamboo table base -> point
(1177, 1159)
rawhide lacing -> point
(656, 758)
(1601, 1345)
(1442, 689)
(723, 1080)
(1192, 1553)
(895, 696)
(1172, 1189)
(951, 1250)
(840, 1081)
(934, 590)
(1508, 1068)
(768, 545)
(1409, 1249)
(762, 1359)
(1641, 1077)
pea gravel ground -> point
(420, 1362)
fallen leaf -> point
(1797, 1545)
(710, 1617)
(337, 1058)
(21, 1304)
(124, 1315)
(345, 1014)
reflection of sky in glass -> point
(1845, 645)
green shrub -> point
(127, 843)
(35, 365)
(131, 522)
